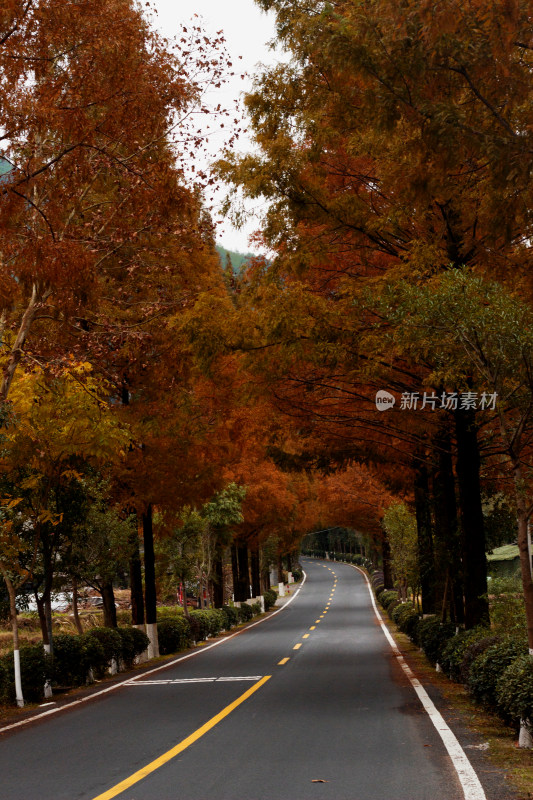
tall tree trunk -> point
(280, 568)
(75, 611)
(525, 738)
(447, 537)
(256, 576)
(150, 596)
(15, 628)
(42, 619)
(243, 581)
(136, 581)
(386, 558)
(48, 615)
(110, 610)
(473, 532)
(185, 604)
(523, 549)
(234, 570)
(218, 581)
(425, 539)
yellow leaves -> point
(71, 475)
(30, 483)
(48, 516)
(9, 503)
(60, 417)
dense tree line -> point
(167, 420)
(394, 148)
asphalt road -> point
(321, 698)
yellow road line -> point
(312, 628)
(283, 661)
(306, 636)
(317, 621)
(297, 646)
(179, 748)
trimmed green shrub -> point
(216, 620)
(174, 634)
(68, 662)
(514, 690)
(297, 574)
(163, 612)
(387, 597)
(256, 609)
(406, 618)
(452, 656)
(199, 623)
(35, 669)
(377, 579)
(379, 590)
(206, 622)
(432, 635)
(473, 651)
(488, 668)
(110, 640)
(93, 655)
(391, 606)
(231, 616)
(134, 642)
(245, 612)
(270, 598)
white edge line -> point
(470, 782)
(197, 652)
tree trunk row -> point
(451, 535)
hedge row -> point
(177, 632)
(75, 656)
(79, 658)
(496, 668)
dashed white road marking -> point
(172, 681)
(82, 700)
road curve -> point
(311, 703)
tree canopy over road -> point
(169, 420)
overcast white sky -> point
(247, 30)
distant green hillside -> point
(237, 259)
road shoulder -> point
(505, 771)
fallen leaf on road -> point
(319, 780)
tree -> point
(401, 528)
(222, 513)
(59, 425)
(393, 146)
(100, 545)
(90, 124)
(15, 576)
(479, 335)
